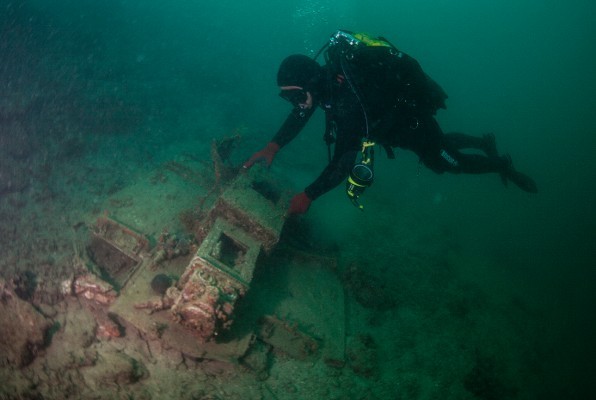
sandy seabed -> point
(413, 328)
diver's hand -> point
(299, 204)
(266, 154)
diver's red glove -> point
(266, 154)
(299, 204)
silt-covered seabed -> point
(437, 303)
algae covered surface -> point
(445, 287)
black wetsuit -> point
(397, 116)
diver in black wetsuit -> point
(373, 93)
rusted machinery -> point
(204, 287)
(186, 296)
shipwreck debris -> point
(199, 306)
(116, 249)
(184, 291)
(288, 338)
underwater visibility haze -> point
(456, 287)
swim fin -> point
(522, 181)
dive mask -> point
(294, 96)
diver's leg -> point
(447, 158)
(486, 143)
(462, 141)
(479, 164)
(522, 181)
(439, 151)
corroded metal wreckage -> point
(199, 305)
(188, 302)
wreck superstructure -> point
(192, 307)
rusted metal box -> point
(255, 205)
(246, 219)
(116, 249)
(215, 278)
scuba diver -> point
(374, 94)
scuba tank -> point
(376, 70)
